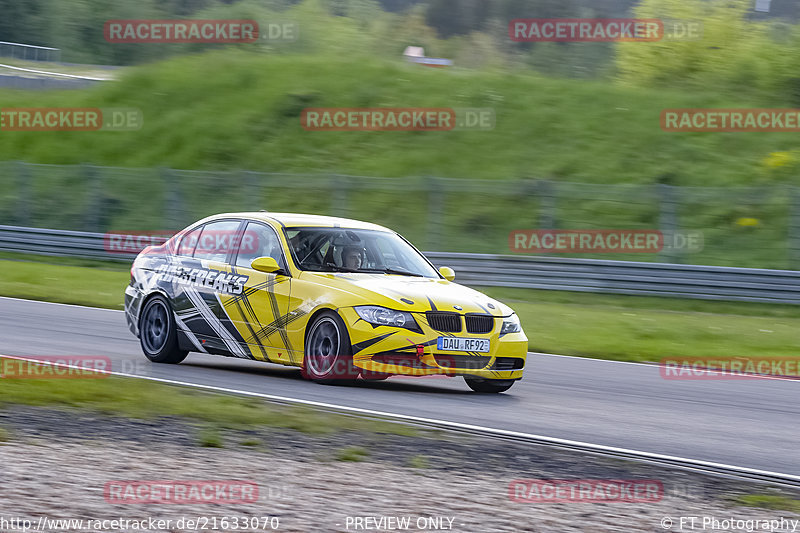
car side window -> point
(189, 241)
(387, 253)
(259, 240)
(216, 240)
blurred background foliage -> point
(565, 112)
(740, 49)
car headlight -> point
(511, 325)
(381, 316)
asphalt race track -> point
(749, 423)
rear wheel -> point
(489, 385)
(158, 334)
(328, 354)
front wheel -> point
(158, 334)
(328, 354)
(489, 385)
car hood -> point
(407, 293)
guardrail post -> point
(547, 204)
(436, 209)
(252, 189)
(93, 195)
(339, 195)
(173, 204)
(668, 219)
(794, 227)
(24, 203)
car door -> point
(260, 314)
(207, 280)
(177, 275)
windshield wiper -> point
(400, 272)
(337, 268)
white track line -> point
(55, 73)
(447, 424)
(59, 303)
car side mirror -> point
(448, 273)
(266, 264)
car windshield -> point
(356, 250)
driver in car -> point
(351, 257)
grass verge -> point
(628, 328)
(353, 454)
(634, 328)
(138, 398)
(210, 437)
(775, 502)
(37, 279)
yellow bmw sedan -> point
(338, 298)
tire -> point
(328, 354)
(158, 334)
(489, 385)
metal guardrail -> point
(535, 272)
(29, 52)
(624, 277)
(62, 243)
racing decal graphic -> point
(363, 345)
(222, 332)
(482, 307)
(433, 305)
(189, 334)
(202, 277)
(255, 334)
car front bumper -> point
(392, 350)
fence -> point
(29, 52)
(741, 226)
(585, 275)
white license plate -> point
(462, 344)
